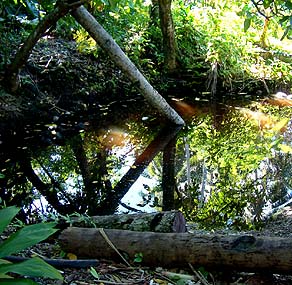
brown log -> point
(164, 222)
(245, 253)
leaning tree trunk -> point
(244, 253)
(119, 57)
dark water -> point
(87, 164)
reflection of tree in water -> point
(233, 171)
(80, 176)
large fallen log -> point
(164, 222)
(245, 252)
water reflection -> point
(225, 165)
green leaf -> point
(21, 281)
(94, 273)
(288, 4)
(285, 33)
(138, 257)
(6, 216)
(2, 275)
(3, 261)
(284, 19)
(27, 236)
(34, 267)
(247, 23)
(267, 3)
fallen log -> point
(244, 252)
(164, 222)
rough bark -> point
(244, 253)
(167, 28)
(163, 222)
(122, 61)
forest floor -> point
(108, 272)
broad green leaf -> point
(246, 24)
(34, 267)
(267, 3)
(2, 275)
(27, 236)
(21, 281)
(3, 261)
(6, 216)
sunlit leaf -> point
(285, 148)
(3, 261)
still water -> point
(230, 161)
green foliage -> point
(20, 240)
(231, 41)
(231, 171)
(94, 273)
(138, 257)
(278, 10)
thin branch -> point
(259, 10)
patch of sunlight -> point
(285, 45)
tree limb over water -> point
(100, 35)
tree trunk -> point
(244, 253)
(163, 222)
(168, 176)
(94, 175)
(119, 57)
(167, 28)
